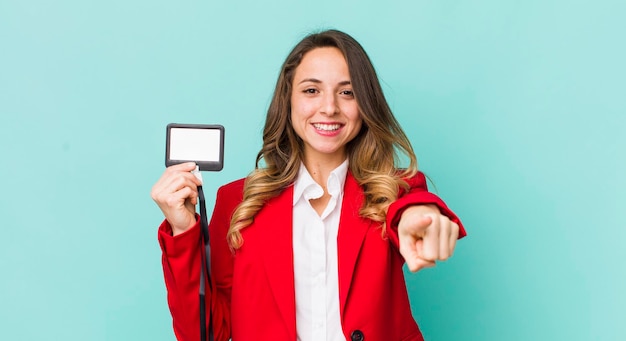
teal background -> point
(515, 108)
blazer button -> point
(357, 335)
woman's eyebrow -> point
(315, 80)
(312, 80)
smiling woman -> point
(324, 112)
(310, 245)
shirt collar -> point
(305, 186)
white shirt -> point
(315, 257)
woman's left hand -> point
(426, 236)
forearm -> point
(181, 262)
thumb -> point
(411, 251)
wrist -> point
(182, 228)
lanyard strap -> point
(205, 272)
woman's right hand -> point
(176, 194)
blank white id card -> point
(199, 143)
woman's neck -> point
(320, 168)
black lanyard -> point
(205, 272)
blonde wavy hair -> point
(373, 154)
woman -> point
(310, 246)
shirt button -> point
(357, 335)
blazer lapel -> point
(276, 220)
(352, 231)
(278, 254)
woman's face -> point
(324, 112)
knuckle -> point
(179, 179)
(184, 192)
(435, 228)
(170, 201)
(158, 197)
(429, 255)
(403, 250)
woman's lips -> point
(328, 129)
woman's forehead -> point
(323, 64)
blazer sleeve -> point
(181, 260)
(182, 257)
(417, 194)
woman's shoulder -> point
(232, 188)
(416, 180)
(232, 191)
(410, 176)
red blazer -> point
(253, 296)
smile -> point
(327, 127)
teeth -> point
(327, 127)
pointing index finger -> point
(431, 239)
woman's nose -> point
(329, 104)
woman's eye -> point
(347, 93)
(310, 91)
